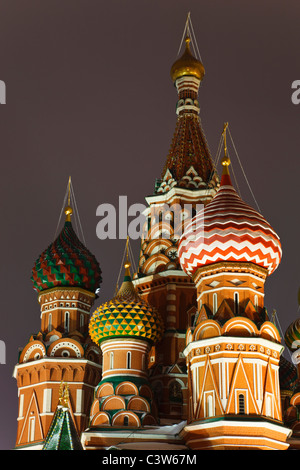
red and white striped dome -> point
(228, 229)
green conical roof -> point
(62, 434)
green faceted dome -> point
(66, 263)
(126, 315)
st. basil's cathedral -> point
(185, 355)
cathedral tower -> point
(233, 351)
(292, 415)
(125, 328)
(67, 278)
(188, 180)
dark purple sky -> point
(89, 95)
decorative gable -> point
(32, 429)
(241, 399)
(167, 183)
(224, 312)
(209, 403)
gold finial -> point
(127, 263)
(225, 159)
(187, 28)
(63, 395)
(68, 209)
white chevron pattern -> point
(228, 229)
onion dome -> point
(126, 315)
(66, 263)
(228, 229)
(187, 64)
(292, 334)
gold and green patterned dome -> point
(126, 315)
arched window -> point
(210, 406)
(241, 404)
(128, 363)
(81, 320)
(50, 322)
(175, 392)
(256, 302)
(215, 303)
(111, 360)
(31, 431)
(126, 421)
(268, 406)
(67, 321)
(236, 303)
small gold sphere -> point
(226, 161)
(68, 212)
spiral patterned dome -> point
(66, 263)
(126, 315)
(228, 229)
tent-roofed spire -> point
(62, 434)
(127, 290)
(188, 149)
(189, 157)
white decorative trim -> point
(233, 340)
(66, 344)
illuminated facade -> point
(185, 355)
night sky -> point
(89, 95)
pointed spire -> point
(189, 148)
(127, 290)
(62, 434)
(68, 209)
